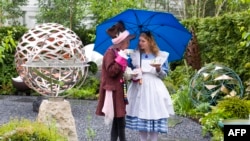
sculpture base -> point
(58, 112)
(56, 99)
(36, 103)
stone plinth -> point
(58, 112)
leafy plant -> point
(93, 68)
(7, 71)
(181, 73)
(210, 121)
(204, 107)
(235, 107)
(87, 91)
(6, 88)
(7, 44)
(179, 77)
(81, 93)
(90, 131)
(182, 102)
(218, 135)
(26, 130)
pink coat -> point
(110, 80)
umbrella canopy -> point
(169, 34)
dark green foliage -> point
(85, 35)
(88, 90)
(9, 37)
(17, 31)
(181, 74)
(93, 68)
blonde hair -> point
(152, 44)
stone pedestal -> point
(58, 111)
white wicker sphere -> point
(50, 60)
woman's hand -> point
(157, 67)
(137, 74)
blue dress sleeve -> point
(165, 66)
(164, 70)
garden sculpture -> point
(214, 82)
(50, 60)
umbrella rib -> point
(138, 23)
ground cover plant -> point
(26, 130)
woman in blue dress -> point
(150, 103)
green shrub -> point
(228, 108)
(26, 130)
(203, 107)
(210, 121)
(88, 90)
(9, 37)
(182, 102)
(235, 107)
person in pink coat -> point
(112, 99)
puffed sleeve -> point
(165, 66)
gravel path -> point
(84, 114)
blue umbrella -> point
(170, 35)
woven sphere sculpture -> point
(50, 60)
(214, 82)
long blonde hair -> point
(152, 44)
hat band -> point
(121, 37)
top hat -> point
(118, 33)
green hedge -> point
(219, 40)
